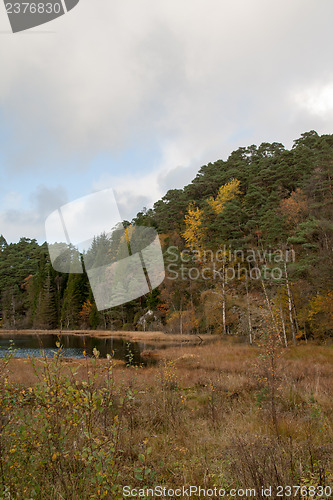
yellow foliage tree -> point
(85, 313)
(320, 314)
(213, 310)
(194, 233)
(127, 236)
(183, 321)
(226, 193)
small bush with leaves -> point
(59, 439)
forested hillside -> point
(249, 240)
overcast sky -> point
(137, 95)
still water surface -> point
(73, 346)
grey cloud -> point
(45, 200)
(198, 77)
(190, 72)
(177, 177)
(29, 220)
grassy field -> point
(224, 415)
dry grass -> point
(206, 412)
(159, 337)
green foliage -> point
(62, 435)
(260, 197)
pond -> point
(25, 345)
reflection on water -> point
(73, 346)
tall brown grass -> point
(203, 413)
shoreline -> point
(135, 336)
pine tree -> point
(46, 316)
(74, 297)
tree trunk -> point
(223, 300)
(248, 312)
(14, 310)
(269, 306)
(181, 318)
(283, 324)
(290, 306)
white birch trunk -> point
(290, 306)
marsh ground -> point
(221, 415)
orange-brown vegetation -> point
(220, 414)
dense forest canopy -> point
(250, 237)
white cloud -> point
(132, 192)
(15, 224)
(11, 200)
(317, 100)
